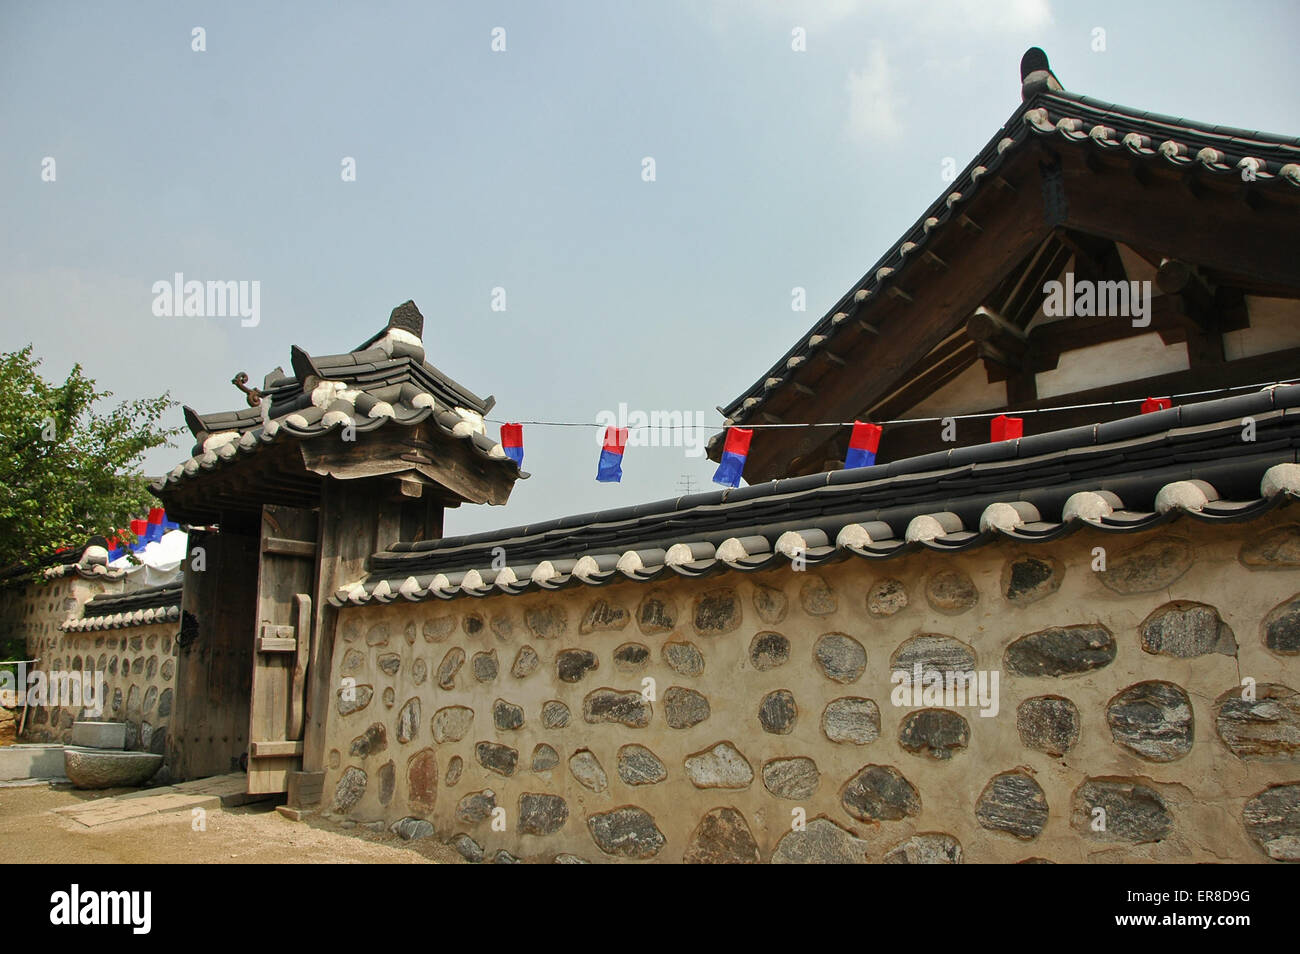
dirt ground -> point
(30, 833)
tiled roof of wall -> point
(1121, 476)
(154, 604)
(385, 380)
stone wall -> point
(138, 662)
(1122, 732)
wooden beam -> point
(285, 547)
(274, 749)
(1215, 230)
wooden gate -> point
(286, 578)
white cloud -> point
(873, 102)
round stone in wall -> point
(419, 671)
(526, 663)
(1027, 579)
(408, 634)
(886, 597)
(371, 742)
(503, 628)
(1118, 809)
(657, 613)
(1148, 567)
(938, 733)
(335, 758)
(555, 714)
(438, 629)
(547, 622)
(1186, 629)
(794, 778)
(454, 769)
(716, 612)
(476, 806)
(852, 719)
(377, 635)
(816, 597)
(1061, 651)
(408, 720)
(627, 708)
(603, 616)
(422, 781)
(637, 765)
(389, 663)
(1281, 627)
(352, 699)
(1152, 719)
(841, 658)
(631, 657)
(777, 712)
(467, 848)
(572, 664)
(507, 716)
(934, 653)
(683, 658)
(721, 766)
(586, 768)
(165, 703)
(722, 838)
(472, 624)
(485, 666)
(541, 814)
(880, 793)
(351, 786)
(150, 698)
(927, 848)
(150, 668)
(449, 667)
(768, 650)
(821, 842)
(495, 757)
(684, 707)
(627, 832)
(770, 603)
(951, 592)
(1014, 803)
(452, 723)
(1276, 549)
(1272, 819)
(387, 782)
(1264, 727)
(545, 758)
(1048, 723)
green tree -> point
(69, 468)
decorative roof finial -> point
(1036, 74)
(406, 317)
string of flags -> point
(146, 531)
(864, 440)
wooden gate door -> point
(286, 578)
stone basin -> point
(105, 768)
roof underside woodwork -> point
(1063, 185)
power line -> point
(906, 420)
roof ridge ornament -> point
(407, 317)
(1036, 74)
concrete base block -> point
(31, 761)
(99, 735)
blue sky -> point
(522, 169)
